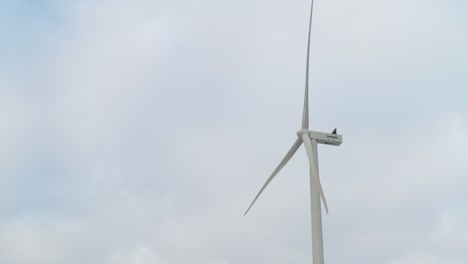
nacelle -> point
(326, 138)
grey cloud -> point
(157, 123)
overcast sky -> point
(138, 132)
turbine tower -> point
(310, 140)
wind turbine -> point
(310, 140)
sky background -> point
(137, 132)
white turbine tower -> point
(310, 140)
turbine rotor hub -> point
(302, 131)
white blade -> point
(312, 160)
(285, 160)
(305, 115)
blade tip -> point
(246, 212)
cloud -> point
(33, 240)
(141, 255)
(418, 259)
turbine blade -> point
(305, 115)
(313, 161)
(285, 160)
